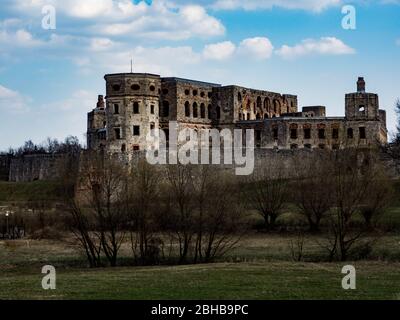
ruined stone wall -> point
(251, 104)
(310, 133)
(29, 168)
(5, 161)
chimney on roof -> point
(100, 102)
(361, 85)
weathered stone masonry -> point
(137, 102)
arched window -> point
(202, 111)
(350, 133)
(277, 106)
(265, 115)
(259, 103)
(267, 104)
(195, 111)
(187, 109)
(166, 108)
(258, 116)
(218, 113)
(240, 116)
(209, 111)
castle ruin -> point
(135, 103)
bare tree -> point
(353, 181)
(179, 186)
(78, 220)
(104, 179)
(142, 200)
(219, 219)
(312, 192)
(397, 136)
(266, 191)
(380, 195)
(224, 222)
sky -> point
(50, 77)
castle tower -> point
(132, 109)
(361, 105)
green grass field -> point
(264, 271)
(268, 280)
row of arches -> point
(205, 113)
(266, 105)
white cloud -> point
(309, 5)
(167, 61)
(101, 44)
(219, 51)
(259, 48)
(78, 100)
(325, 46)
(12, 101)
(160, 20)
(18, 38)
(87, 8)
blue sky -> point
(49, 79)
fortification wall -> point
(5, 161)
(29, 168)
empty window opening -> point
(307, 133)
(335, 133)
(166, 108)
(152, 109)
(116, 108)
(195, 111)
(275, 133)
(258, 135)
(321, 133)
(362, 133)
(136, 108)
(136, 130)
(135, 87)
(187, 109)
(350, 133)
(202, 111)
(293, 133)
(117, 132)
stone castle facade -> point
(135, 103)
